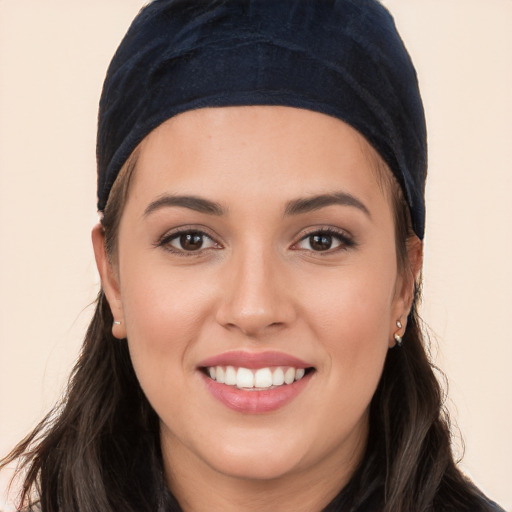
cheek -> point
(351, 318)
(164, 311)
(354, 305)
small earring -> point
(117, 322)
(397, 336)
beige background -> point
(53, 57)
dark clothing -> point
(371, 504)
(374, 504)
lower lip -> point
(256, 402)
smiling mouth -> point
(261, 379)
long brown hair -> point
(99, 449)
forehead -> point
(265, 151)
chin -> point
(259, 465)
(263, 453)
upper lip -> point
(254, 360)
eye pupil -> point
(191, 241)
(320, 242)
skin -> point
(257, 284)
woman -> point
(261, 171)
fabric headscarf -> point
(343, 58)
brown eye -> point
(320, 242)
(188, 242)
(325, 240)
(191, 241)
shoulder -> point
(487, 505)
(493, 507)
(479, 503)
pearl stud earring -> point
(397, 336)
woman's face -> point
(257, 245)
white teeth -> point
(230, 378)
(289, 375)
(260, 379)
(244, 378)
(278, 377)
(263, 378)
(220, 375)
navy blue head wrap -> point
(340, 57)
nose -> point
(256, 296)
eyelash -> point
(166, 240)
(345, 241)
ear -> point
(404, 294)
(109, 281)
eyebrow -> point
(309, 204)
(294, 207)
(197, 204)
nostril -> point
(254, 325)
